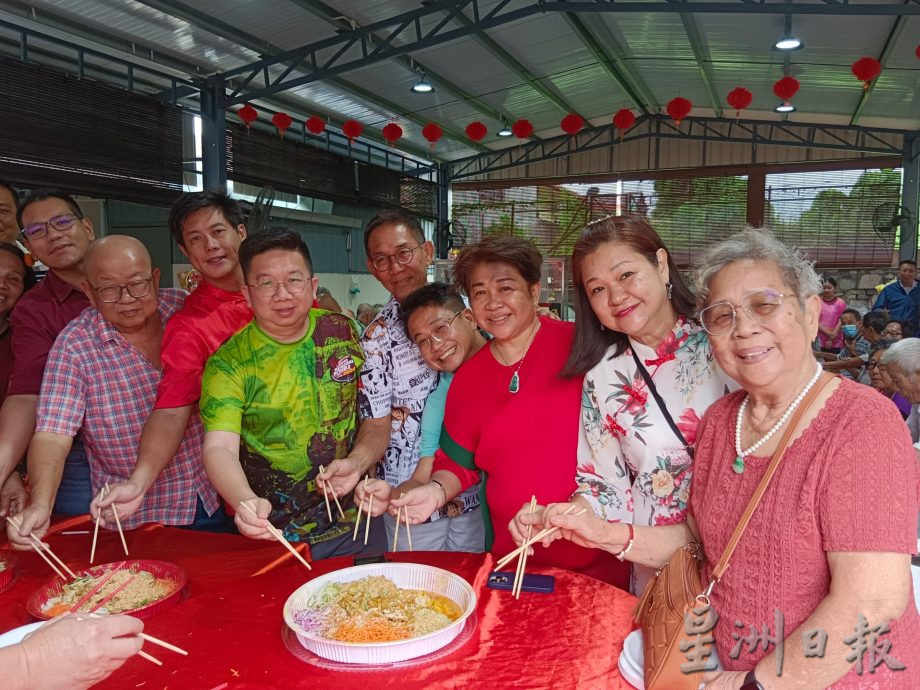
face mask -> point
(849, 331)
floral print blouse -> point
(632, 467)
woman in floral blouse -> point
(633, 309)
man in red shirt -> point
(55, 231)
(208, 227)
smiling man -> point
(55, 231)
(280, 398)
(101, 380)
(208, 227)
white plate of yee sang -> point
(380, 613)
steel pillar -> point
(910, 196)
(442, 232)
(214, 133)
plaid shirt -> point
(97, 381)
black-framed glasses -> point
(438, 334)
(295, 285)
(875, 364)
(402, 257)
(891, 334)
(35, 231)
(136, 289)
(759, 305)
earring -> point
(668, 289)
(602, 326)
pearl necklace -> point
(738, 464)
(515, 384)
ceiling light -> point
(505, 131)
(788, 42)
(785, 107)
(422, 86)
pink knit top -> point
(849, 483)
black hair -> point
(190, 202)
(431, 295)
(42, 195)
(875, 320)
(828, 279)
(12, 190)
(907, 261)
(906, 330)
(393, 218)
(28, 276)
(855, 313)
(882, 344)
(272, 238)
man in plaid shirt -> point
(102, 377)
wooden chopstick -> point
(37, 549)
(86, 597)
(121, 533)
(326, 495)
(334, 498)
(367, 522)
(358, 519)
(149, 657)
(276, 533)
(151, 638)
(522, 560)
(92, 553)
(406, 518)
(396, 532)
(539, 536)
(111, 595)
(39, 545)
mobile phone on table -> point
(370, 558)
(543, 584)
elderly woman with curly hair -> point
(829, 545)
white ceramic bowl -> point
(405, 576)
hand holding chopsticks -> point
(41, 548)
(276, 533)
(326, 496)
(103, 492)
(522, 561)
(537, 538)
(405, 515)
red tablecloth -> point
(232, 627)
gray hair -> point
(758, 244)
(905, 355)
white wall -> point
(339, 285)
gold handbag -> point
(677, 587)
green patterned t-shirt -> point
(295, 407)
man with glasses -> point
(396, 379)
(101, 380)
(208, 227)
(280, 398)
(56, 233)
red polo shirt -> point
(37, 319)
(210, 316)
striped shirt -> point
(95, 380)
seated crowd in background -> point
(256, 394)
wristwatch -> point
(750, 682)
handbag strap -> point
(661, 405)
(722, 565)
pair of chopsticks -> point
(405, 514)
(152, 640)
(367, 516)
(41, 549)
(276, 533)
(538, 537)
(103, 492)
(522, 560)
(326, 496)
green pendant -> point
(738, 464)
(515, 384)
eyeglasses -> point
(875, 364)
(759, 305)
(438, 334)
(402, 257)
(891, 334)
(136, 288)
(36, 231)
(294, 286)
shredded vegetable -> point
(374, 609)
(145, 588)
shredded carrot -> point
(57, 610)
(374, 630)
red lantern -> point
(786, 88)
(316, 125)
(678, 108)
(623, 120)
(248, 115)
(392, 132)
(282, 121)
(739, 98)
(572, 124)
(917, 52)
(476, 131)
(866, 69)
(352, 129)
(522, 129)
(432, 133)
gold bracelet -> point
(443, 492)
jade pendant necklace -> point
(515, 384)
(738, 464)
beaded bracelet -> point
(629, 544)
(443, 492)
